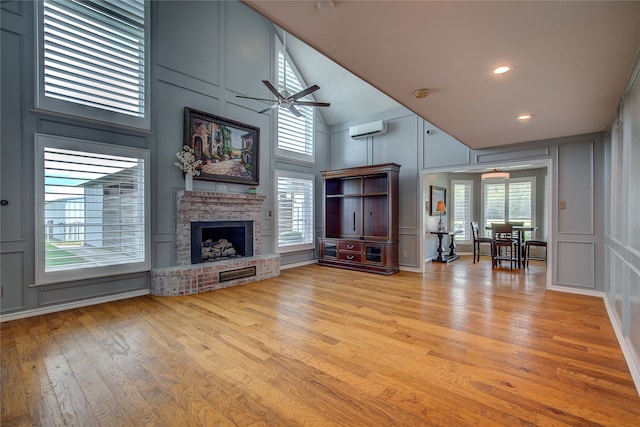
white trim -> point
(283, 153)
(578, 291)
(410, 269)
(281, 173)
(71, 305)
(41, 141)
(627, 351)
(469, 184)
(298, 264)
(67, 108)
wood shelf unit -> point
(360, 215)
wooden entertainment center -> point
(360, 215)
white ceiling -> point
(570, 61)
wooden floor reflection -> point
(459, 345)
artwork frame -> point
(436, 194)
(229, 150)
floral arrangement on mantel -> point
(188, 163)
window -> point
(92, 60)
(461, 208)
(511, 200)
(295, 225)
(92, 217)
(295, 134)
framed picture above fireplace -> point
(229, 150)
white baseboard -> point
(578, 291)
(298, 264)
(627, 351)
(410, 269)
(71, 305)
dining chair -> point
(527, 251)
(519, 237)
(503, 240)
(477, 240)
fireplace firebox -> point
(221, 240)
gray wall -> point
(622, 218)
(577, 229)
(576, 233)
(540, 175)
(399, 145)
(203, 55)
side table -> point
(451, 256)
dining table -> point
(521, 229)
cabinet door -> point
(350, 217)
(376, 217)
(328, 250)
(374, 254)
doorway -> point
(538, 175)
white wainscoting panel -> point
(575, 264)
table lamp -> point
(440, 209)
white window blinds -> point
(295, 213)
(295, 134)
(93, 54)
(93, 207)
(462, 199)
(520, 202)
(510, 200)
(494, 203)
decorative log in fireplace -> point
(221, 240)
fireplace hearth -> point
(232, 210)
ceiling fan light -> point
(495, 174)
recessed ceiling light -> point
(524, 116)
(501, 70)
(325, 6)
(421, 93)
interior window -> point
(295, 134)
(295, 214)
(93, 60)
(93, 203)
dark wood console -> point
(361, 218)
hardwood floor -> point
(460, 345)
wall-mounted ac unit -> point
(368, 129)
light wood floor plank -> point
(459, 345)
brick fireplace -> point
(209, 207)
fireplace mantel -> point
(199, 206)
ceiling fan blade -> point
(268, 108)
(257, 99)
(268, 84)
(294, 111)
(313, 104)
(304, 92)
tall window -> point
(92, 59)
(511, 200)
(295, 224)
(295, 133)
(92, 217)
(462, 208)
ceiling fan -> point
(284, 99)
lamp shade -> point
(495, 174)
(440, 206)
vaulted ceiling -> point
(569, 61)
